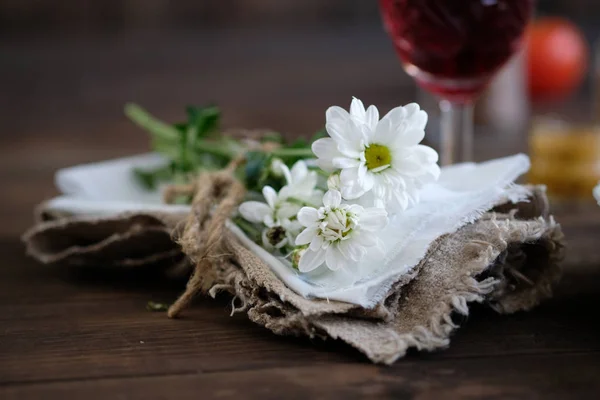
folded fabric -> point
(461, 195)
(510, 261)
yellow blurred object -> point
(565, 158)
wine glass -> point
(452, 48)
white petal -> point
(409, 137)
(337, 130)
(418, 120)
(433, 172)
(332, 199)
(384, 132)
(357, 110)
(351, 149)
(356, 252)
(351, 187)
(270, 196)
(407, 166)
(399, 201)
(356, 209)
(308, 216)
(334, 258)
(368, 181)
(352, 191)
(365, 238)
(343, 248)
(299, 171)
(372, 117)
(265, 240)
(311, 260)
(336, 113)
(379, 202)
(306, 236)
(426, 154)
(411, 109)
(344, 132)
(325, 165)
(326, 150)
(269, 221)
(349, 176)
(287, 210)
(316, 243)
(279, 168)
(343, 162)
(395, 117)
(362, 172)
(254, 211)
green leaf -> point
(299, 143)
(155, 306)
(155, 127)
(274, 137)
(150, 178)
(203, 120)
(181, 126)
(249, 229)
(145, 178)
(256, 161)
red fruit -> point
(557, 58)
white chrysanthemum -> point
(278, 214)
(379, 156)
(337, 234)
(300, 182)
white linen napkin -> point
(461, 195)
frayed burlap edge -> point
(471, 265)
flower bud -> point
(296, 255)
(275, 236)
(277, 167)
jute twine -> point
(215, 197)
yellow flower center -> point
(377, 157)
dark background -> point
(86, 16)
(67, 67)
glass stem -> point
(456, 132)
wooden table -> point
(68, 333)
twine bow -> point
(215, 197)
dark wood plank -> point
(529, 377)
(64, 325)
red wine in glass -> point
(453, 48)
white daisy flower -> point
(337, 234)
(300, 182)
(276, 214)
(379, 156)
(274, 210)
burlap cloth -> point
(508, 259)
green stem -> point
(284, 153)
(302, 203)
(248, 228)
(320, 172)
(147, 122)
(216, 149)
